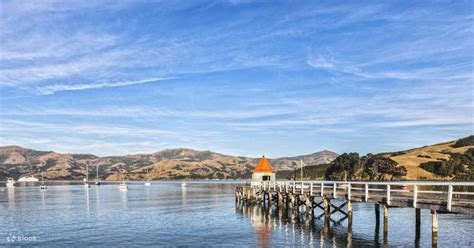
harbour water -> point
(202, 214)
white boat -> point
(10, 183)
(184, 185)
(97, 182)
(147, 183)
(28, 179)
(43, 185)
(123, 186)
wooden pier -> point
(318, 198)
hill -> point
(453, 160)
(181, 163)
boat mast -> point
(301, 162)
(97, 172)
(87, 172)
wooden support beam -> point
(327, 207)
(434, 228)
(319, 205)
(385, 220)
(338, 208)
(377, 214)
(417, 222)
(349, 220)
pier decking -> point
(312, 196)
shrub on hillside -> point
(460, 166)
(369, 167)
(468, 141)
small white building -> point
(263, 172)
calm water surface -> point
(203, 214)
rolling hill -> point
(453, 160)
(181, 163)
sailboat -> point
(298, 186)
(123, 185)
(97, 175)
(147, 183)
(43, 185)
(10, 183)
(86, 180)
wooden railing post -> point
(450, 197)
(388, 194)
(302, 187)
(311, 189)
(366, 192)
(294, 187)
(349, 192)
(415, 195)
(334, 194)
(322, 189)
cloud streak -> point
(52, 89)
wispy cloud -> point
(51, 89)
(298, 76)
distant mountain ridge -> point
(180, 163)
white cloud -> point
(51, 89)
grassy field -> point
(412, 159)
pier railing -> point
(443, 196)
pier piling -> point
(290, 197)
(385, 220)
(434, 228)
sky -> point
(280, 78)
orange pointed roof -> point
(263, 166)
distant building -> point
(263, 172)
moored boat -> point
(147, 183)
(10, 183)
(43, 185)
(122, 185)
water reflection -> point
(11, 198)
(124, 198)
(301, 228)
(43, 193)
(183, 196)
(97, 200)
(87, 200)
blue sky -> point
(237, 77)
